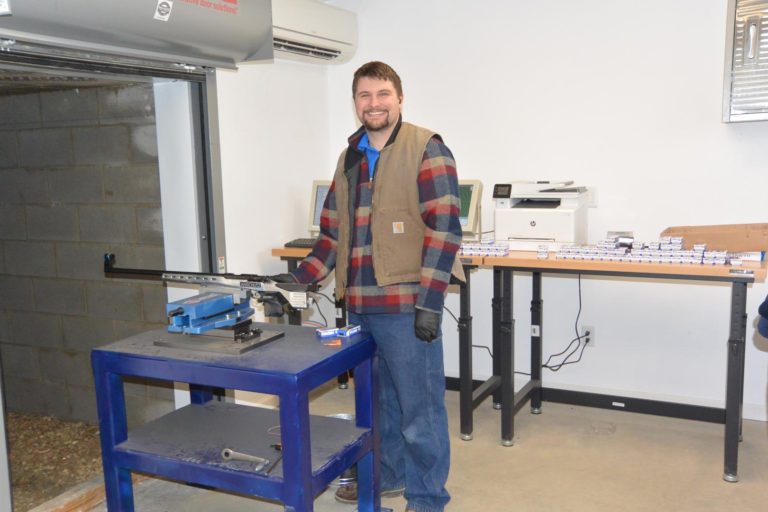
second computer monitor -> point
(470, 196)
(317, 200)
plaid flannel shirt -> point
(439, 205)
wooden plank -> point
(290, 252)
(81, 498)
(300, 252)
(723, 237)
(527, 260)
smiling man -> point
(378, 104)
(390, 229)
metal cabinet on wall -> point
(745, 92)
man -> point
(390, 228)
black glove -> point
(283, 278)
(272, 307)
(426, 325)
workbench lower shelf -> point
(186, 445)
(196, 434)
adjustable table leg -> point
(341, 321)
(465, 359)
(496, 306)
(537, 334)
(507, 330)
(735, 380)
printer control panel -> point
(502, 192)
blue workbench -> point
(186, 444)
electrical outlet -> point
(588, 335)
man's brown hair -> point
(376, 69)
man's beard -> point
(375, 126)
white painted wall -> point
(176, 157)
(274, 132)
(624, 96)
(273, 124)
(178, 190)
(273, 119)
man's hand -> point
(272, 307)
(283, 278)
(426, 325)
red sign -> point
(225, 6)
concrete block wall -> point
(78, 178)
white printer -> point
(530, 214)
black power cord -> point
(319, 310)
(570, 349)
(487, 349)
(574, 350)
(457, 323)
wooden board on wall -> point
(723, 237)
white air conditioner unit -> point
(310, 31)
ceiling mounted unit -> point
(310, 31)
(211, 33)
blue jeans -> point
(415, 449)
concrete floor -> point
(568, 459)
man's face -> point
(377, 104)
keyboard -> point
(301, 243)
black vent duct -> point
(305, 50)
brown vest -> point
(397, 229)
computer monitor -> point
(317, 200)
(470, 195)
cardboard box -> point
(723, 237)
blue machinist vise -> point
(224, 317)
(227, 324)
(209, 310)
